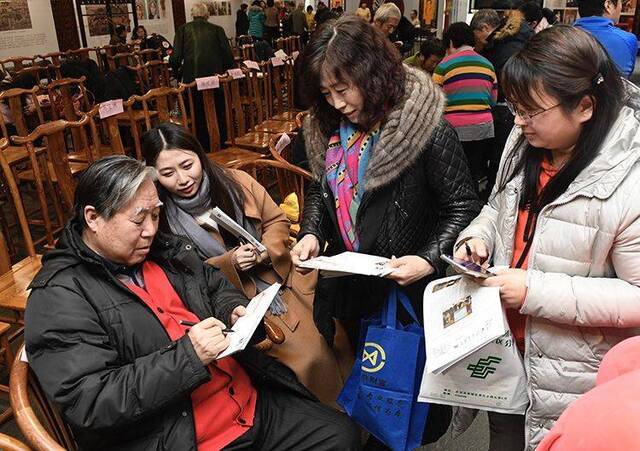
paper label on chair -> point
(251, 64)
(282, 142)
(275, 61)
(23, 356)
(110, 108)
(236, 73)
(204, 83)
(295, 54)
(281, 54)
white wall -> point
(37, 39)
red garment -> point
(224, 407)
(605, 418)
(516, 320)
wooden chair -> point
(16, 63)
(289, 179)
(38, 419)
(147, 55)
(248, 52)
(229, 156)
(56, 171)
(122, 59)
(18, 101)
(284, 154)
(282, 82)
(300, 118)
(156, 74)
(8, 443)
(263, 103)
(238, 121)
(105, 135)
(69, 100)
(133, 120)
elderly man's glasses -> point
(526, 116)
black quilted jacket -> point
(421, 212)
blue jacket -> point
(256, 21)
(621, 45)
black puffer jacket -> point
(418, 198)
(103, 357)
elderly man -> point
(387, 18)
(201, 49)
(105, 335)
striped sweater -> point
(470, 84)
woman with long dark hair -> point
(190, 185)
(391, 178)
(564, 217)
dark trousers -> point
(506, 432)
(479, 154)
(202, 132)
(284, 421)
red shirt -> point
(516, 320)
(224, 407)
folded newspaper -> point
(460, 317)
(348, 263)
(217, 217)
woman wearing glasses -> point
(564, 217)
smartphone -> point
(467, 268)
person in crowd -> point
(561, 219)
(106, 338)
(387, 18)
(413, 18)
(191, 185)
(588, 423)
(242, 21)
(599, 17)
(469, 81)
(323, 14)
(256, 17)
(298, 20)
(532, 13)
(201, 49)
(431, 53)
(390, 176)
(271, 22)
(311, 18)
(498, 40)
(119, 38)
(139, 35)
(364, 12)
(404, 36)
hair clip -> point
(599, 79)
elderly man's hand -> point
(208, 340)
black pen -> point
(191, 324)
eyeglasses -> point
(528, 117)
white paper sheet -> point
(247, 324)
(348, 263)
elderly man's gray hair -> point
(109, 184)
(200, 10)
(386, 12)
(487, 17)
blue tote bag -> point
(381, 392)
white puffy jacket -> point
(583, 273)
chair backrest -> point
(284, 153)
(156, 74)
(16, 197)
(57, 151)
(122, 59)
(248, 52)
(289, 178)
(16, 63)
(5, 258)
(243, 40)
(17, 100)
(235, 117)
(164, 105)
(38, 418)
(105, 134)
(147, 55)
(69, 98)
(300, 118)
(213, 128)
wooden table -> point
(13, 286)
